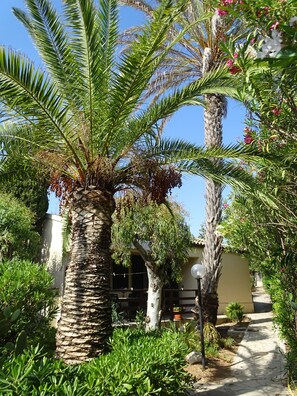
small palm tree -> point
(83, 120)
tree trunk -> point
(85, 323)
(154, 299)
(212, 252)
(210, 307)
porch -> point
(129, 301)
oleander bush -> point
(138, 364)
(26, 287)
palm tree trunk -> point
(212, 252)
(85, 323)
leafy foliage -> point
(25, 182)
(265, 230)
(7, 318)
(17, 235)
(139, 364)
(32, 192)
(162, 233)
(26, 288)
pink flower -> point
(252, 41)
(235, 55)
(232, 68)
(248, 139)
(282, 270)
(274, 26)
(226, 205)
(221, 12)
(276, 111)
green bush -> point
(191, 337)
(227, 343)
(17, 235)
(285, 311)
(139, 364)
(27, 287)
(234, 311)
(7, 319)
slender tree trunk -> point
(154, 293)
(212, 252)
(154, 299)
(85, 323)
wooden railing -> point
(129, 301)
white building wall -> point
(51, 252)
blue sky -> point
(187, 123)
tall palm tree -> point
(195, 54)
(81, 117)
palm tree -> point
(195, 54)
(82, 119)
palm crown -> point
(83, 113)
(186, 60)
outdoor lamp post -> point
(197, 272)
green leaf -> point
(9, 346)
(20, 343)
(15, 315)
(4, 326)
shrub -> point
(140, 319)
(17, 235)
(234, 311)
(27, 287)
(117, 317)
(7, 319)
(139, 364)
(227, 343)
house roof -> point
(199, 242)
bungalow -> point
(129, 285)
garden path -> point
(259, 367)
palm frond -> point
(108, 17)
(48, 33)
(217, 81)
(29, 97)
(171, 150)
(139, 5)
(138, 66)
(83, 18)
